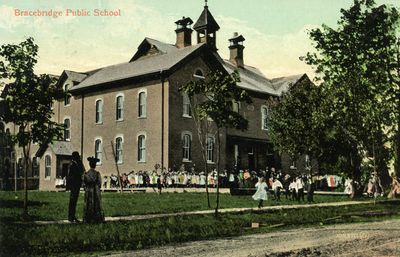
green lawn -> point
(19, 239)
(54, 205)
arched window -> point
(264, 117)
(119, 150)
(142, 104)
(99, 111)
(47, 166)
(199, 74)
(210, 148)
(141, 148)
(67, 97)
(187, 110)
(67, 129)
(119, 108)
(187, 146)
(98, 150)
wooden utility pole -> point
(116, 166)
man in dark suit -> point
(74, 183)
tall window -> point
(235, 106)
(99, 111)
(210, 148)
(264, 117)
(187, 145)
(35, 166)
(142, 104)
(119, 149)
(187, 110)
(67, 129)
(47, 166)
(119, 108)
(98, 150)
(67, 97)
(142, 148)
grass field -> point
(27, 239)
(54, 205)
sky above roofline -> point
(275, 30)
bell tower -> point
(206, 28)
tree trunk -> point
(25, 166)
(218, 168)
(355, 163)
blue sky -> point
(275, 30)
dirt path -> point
(344, 240)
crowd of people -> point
(268, 181)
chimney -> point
(236, 50)
(183, 32)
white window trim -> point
(123, 106)
(185, 115)
(191, 145)
(262, 117)
(142, 90)
(100, 162)
(213, 151)
(115, 145)
(199, 76)
(70, 125)
(102, 108)
(45, 166)
(145, 144)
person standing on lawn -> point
(261, 193)
(92, 212)
(74, 183)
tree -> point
(214, 96)
(28, 100)
(350, 61)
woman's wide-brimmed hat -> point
(93, 159)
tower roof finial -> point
(205, 3)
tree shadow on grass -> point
(19, 203)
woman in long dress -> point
(92, 212)
(261, 193)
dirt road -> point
(368, 239)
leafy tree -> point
(351, 61)
(214, 96)
(28, 100)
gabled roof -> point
(206, 21)
(57, 147)
(149, 43)
(75, 76)
(139, 67)
(252, 79)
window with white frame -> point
(67, 129)
(187, 146)
(264, 117)
(119, 150)
(67, 97)
(187, 109)
(307, 161)
(141, 148)
(119, 115)
(142, 104)
(98, 150)
(99, 111)
(210, 148)
(47, 166)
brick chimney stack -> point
(183, 32)
(236, 50)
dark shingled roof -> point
(252, 79)
(210, 24)
(75, 76)
(143, 66)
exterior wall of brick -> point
(129, 128)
